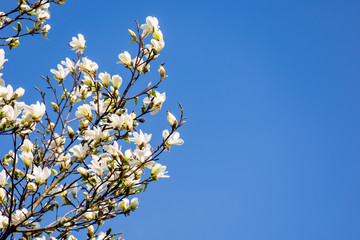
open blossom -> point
(174, 139)
(71, 66)
(96, 134)
(3, 178)
(61, 73)
(79, 151)
(27, 158)
(84, 111)
(2, 58)
(134, 203)
(114, 149)
(27, 146)
(3, 221)
(98, 165)
(157, 101)
(157, 45)
(158, 171)
(40, 175)
(125, 59)
(36, 111)
(78, 44)
(88, 65)
(124, 204)
(142, 156)
(140, 139)
(151, 25)
(19, 216)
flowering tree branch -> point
(67, 164)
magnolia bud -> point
(55, 106)
(171, 118)
(83, 172)
(132, 34)
(71, 132)
(32, 187)
(162, 71)
(91, 230)
(158, 35)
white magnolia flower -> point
(101, 236)
(151, 25)
(61, 73)
(73, 190)
(140, 139)
(84, 111)
(96, 134)
(46, 28)
(2, 58)
(125, 59)
(158, 171)
(134, 203)
(10, 113)
(57, 143)
(88, 65)
(7, 92)
(27, 146)
(36, 111)
(116, 80)
(140, 65)
(71, 66)
(40, 175)
(116, 121)
(114, 149)
(2, 196)
(42, 14)
(124, 204)
(3, 178)
(158, 35)
(78, 44)
(79, 151)
(2, 82)
(105, 78)
(157, 45)
(3, 221)
(27, 158)
(18, 216)
(98, 165)
(142, 156)
(19, 93)
(157, 102)
(174, 139)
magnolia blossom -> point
(3, 178)
(79, 151)
(116, 80)
(151, 25)
(27, 146)
(71, 66)
(98, 165)
(36, 111)
(84, 111)
(124, 204)
(171, 119)
(142, 156)
(96, 134)
(134, 203)
(158, 171)
(40, 175)
(125, 59)
(157, 102)
(19, 216)
(88, 65)
(61, 73)
(27, 158)
(114, 149)
(174, 139)
(157, 45)
(78, 44)
(3, 221)
(2, 58)
(105, 78)
(140, 139)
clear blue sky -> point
(272, 94)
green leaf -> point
(136, 101)
(131, 41)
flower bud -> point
(162, 71)
(71, 132)
(132, 34)
(124, 205)
(90, 230)
(32, 187)
(83, 172)
(171, 118)
(55, 106)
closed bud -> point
(171, 118)
(71, 132)
(2, 195)
(132, 34)
(83, 172)
(162, 71)
(134, 204)
(55, 106)
(91, 230)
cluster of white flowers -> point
(36, 12)
(93, 155)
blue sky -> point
(271, 92)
